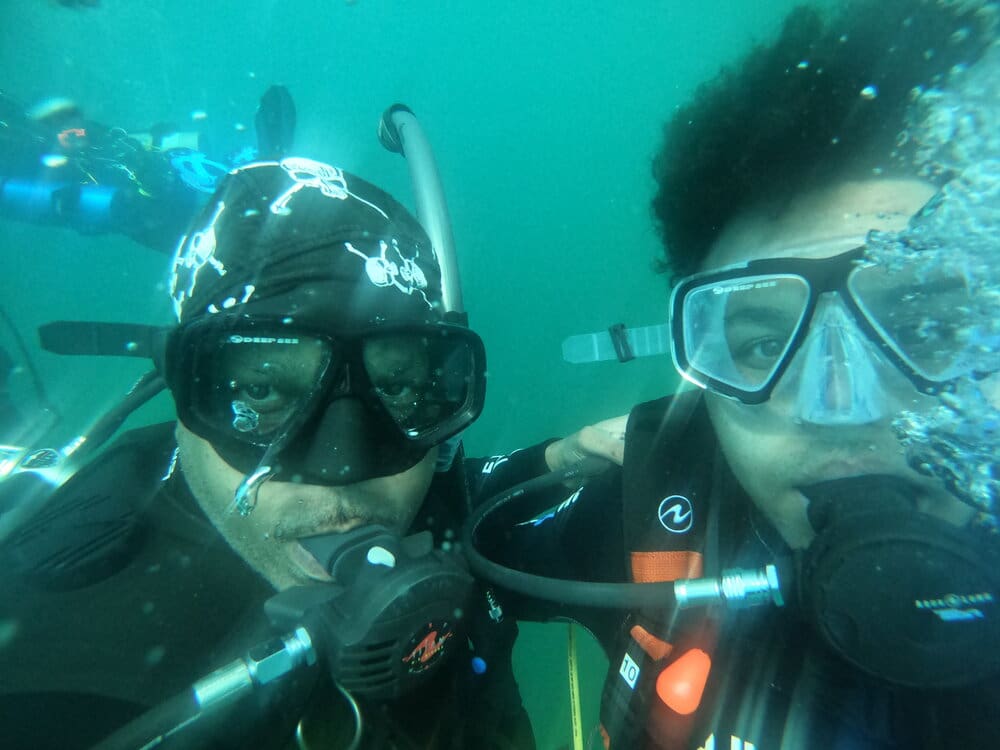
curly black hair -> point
(827, 99)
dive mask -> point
(842, 321)
(326, 408)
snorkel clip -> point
(245, 499)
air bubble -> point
(8, 631)
(155, 655)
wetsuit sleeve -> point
(490, 476)
(576, 536)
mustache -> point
(335, 516)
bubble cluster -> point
(951, 127)
(957, 235)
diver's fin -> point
(275, 123)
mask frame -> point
(820, 276)
(346, 380)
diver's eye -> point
(759, 353)
(257, 392)
(261, 396)
(394, 390)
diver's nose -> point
(837, 373)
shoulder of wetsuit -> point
(674, 430)
(88, 528)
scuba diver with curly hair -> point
(829, 208)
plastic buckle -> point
(619, 339)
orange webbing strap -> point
(652, 567)
(655, 648)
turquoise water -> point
(544, 117)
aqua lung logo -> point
(956, 607)
(676, 514)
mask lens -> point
(737, 332)
(248, 387)
(425, 381)
(921, 313)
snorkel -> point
(399, 131)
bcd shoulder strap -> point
(664, 661)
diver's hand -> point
(602, 440)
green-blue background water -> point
(543, 115)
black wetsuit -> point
(120, 594)
(773, 685)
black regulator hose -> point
(582, 593)
(736, 588)
(193, 718)
(156, 726)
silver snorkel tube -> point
(399, 132)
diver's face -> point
(286, 511)
(772, 450)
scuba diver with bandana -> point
(311, 486)
(830, 205)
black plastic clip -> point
(619, 339)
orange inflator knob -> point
(681, 683)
